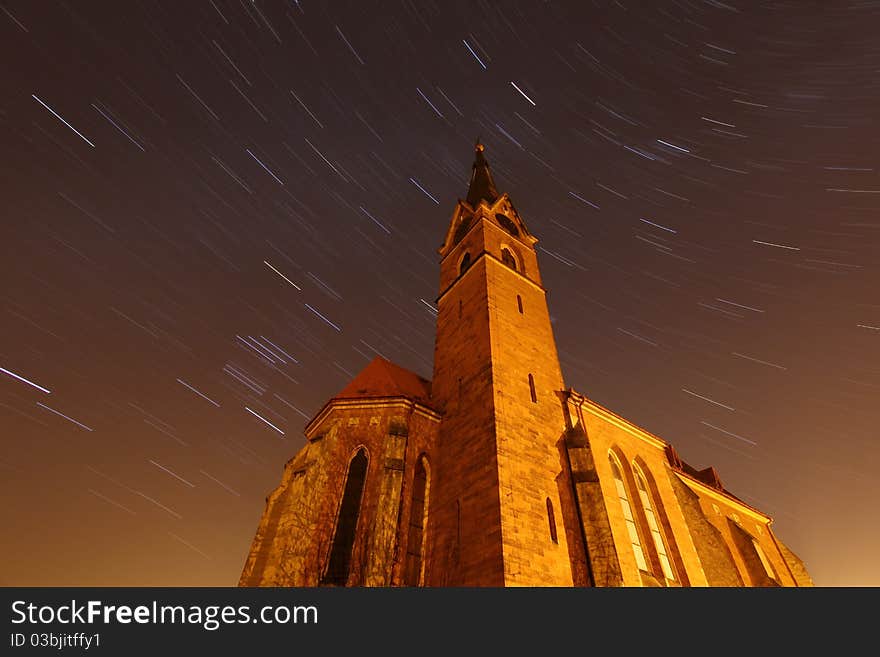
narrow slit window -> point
(532, 388)
(519, 304)
(456, 551)
(551, 518)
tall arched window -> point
(465, 263)
(631, 528)
(508, 259)
(339, 567)
(653, 523)
(532, 389)
(418, 514)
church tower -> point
(494, 473)
(496, 513)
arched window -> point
(532, 388)
(465, 263)
(551, 518)
(653, 523)
(507, 224)
(339, 566)
(418, 514)
(462, 229)
(508, 259)
(631, 528)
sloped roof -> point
(708, 475)
(382, 378)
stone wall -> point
(293, 540)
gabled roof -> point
(382, 378)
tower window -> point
(519, 304)
(507, 224)
(551, 518)
(532, 388)
(456, 553)
(465, 263)
(463, 226)
(346, 524)
(508, 259)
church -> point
(494, 473)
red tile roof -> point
(382, 378)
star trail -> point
(216, 212)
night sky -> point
(215, 213)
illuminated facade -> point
(494, 473)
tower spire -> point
(482, 187)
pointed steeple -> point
(482, 187)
